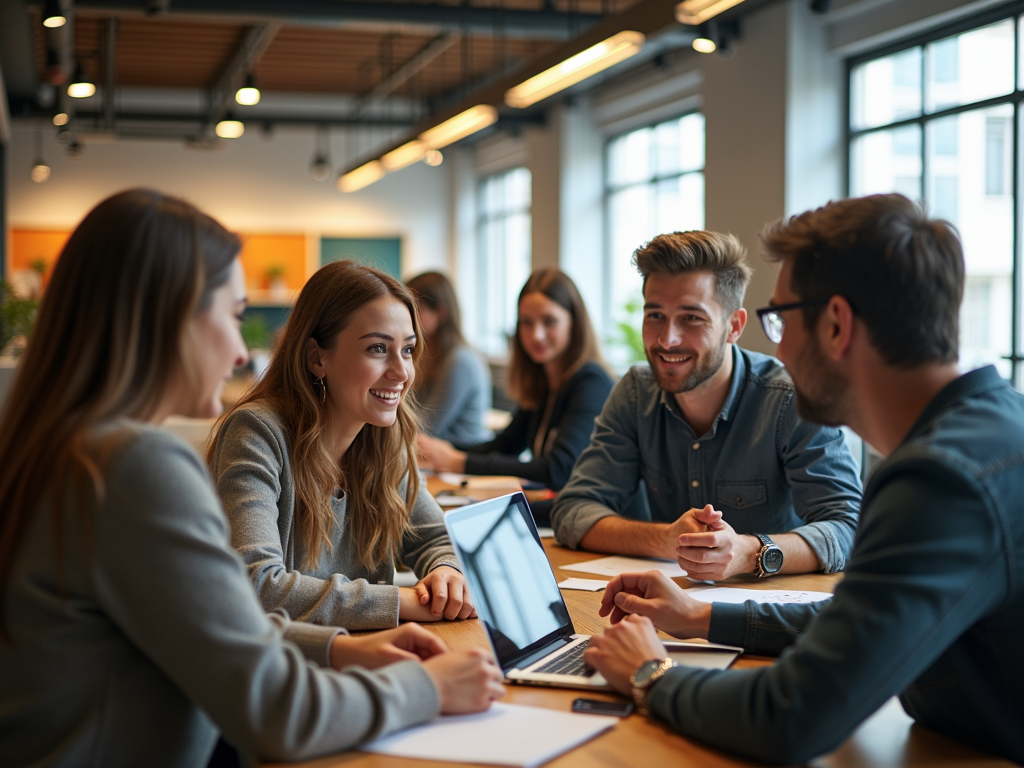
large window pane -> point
(629, 158)
(886, 90)
(971, 188)
(887, 161)
(970, 67)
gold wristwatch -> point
(644, 678)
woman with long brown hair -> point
(559, 381)
(129, 631)
(316, 464)
(453, 385)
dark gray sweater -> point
(139, 652)
(253, 473)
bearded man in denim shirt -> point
(931, 607)
(735, 481)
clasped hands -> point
(439, 455)
(441, 594)
(707, 547)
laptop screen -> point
(513, 588)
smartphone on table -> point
(599, 707)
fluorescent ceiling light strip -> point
(575, 69)
(459, 127)
(363, 176)
(699, 11)
(404, 156)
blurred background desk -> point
(886, 740)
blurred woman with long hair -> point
(316, 465)
(558, 380)
(129, 630)
(453, 385)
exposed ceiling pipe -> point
(402, 74)
(546, 24)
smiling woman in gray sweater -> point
(129, 632)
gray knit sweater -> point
(253, 474)
(139, 651)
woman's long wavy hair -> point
(112, 332)
(378, 459)
(527, 382)
(435, 291)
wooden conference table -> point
(888, 739)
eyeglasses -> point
(771, 319)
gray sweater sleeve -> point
(460, 398)
(426, 545)
(250, 469)
(164, 573)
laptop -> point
(517, 597)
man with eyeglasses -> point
(735, 481)
(931, 607)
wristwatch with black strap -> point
(644, 678)
(769, 559)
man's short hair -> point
(902, 272)
(699, 251)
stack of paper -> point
(505, 734)
(735, 595)
(613, 566)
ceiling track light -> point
(695, 12)
(53, 14)
(459, 127)
(248, 95)
(320, 168)
(576, 68)
(363, 176)
(717, 36)
(230, 129)
(80, 86)
(40, 170)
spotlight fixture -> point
(230, 129)
(40, 170)
(53, 15)
(433, 157)
(363, 176)
(705, 45)
(575, 69)
(459, 127)
(248, 94)
(61, 118)
(404, 156)
(81, 87)
(320, 168)
(698, 11)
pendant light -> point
(80, 86)
(40, 170)
(320, 168)
(53, 14)
(248, 95)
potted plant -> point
(16, 318)
(276, 283)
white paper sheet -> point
(546, 533)
(584, 585)
(613, 566)
(736, 595)
(506, 734)
(484, 483)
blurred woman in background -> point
(129, 631)
(453, 385)
(559, 382)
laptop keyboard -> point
(569, 663)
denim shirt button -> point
(696, 446)
(695, 484)
(739, 499)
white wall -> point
(258, 183)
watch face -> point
(771, 561)
(645, 671)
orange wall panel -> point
(260, 252)
(27, 245)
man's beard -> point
(704, 367)
(822, 397)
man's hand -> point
(381, 648)
(622, 649)
(687, 523)
(716, 552)
(466, 681)
(439, 455)
(656, 597)
(445, 592)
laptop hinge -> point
(547, 650)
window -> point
(654, 184)
(933, 119)
(504, 248)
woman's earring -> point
(319, 386)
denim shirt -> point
(760, 464)
(930, 608)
